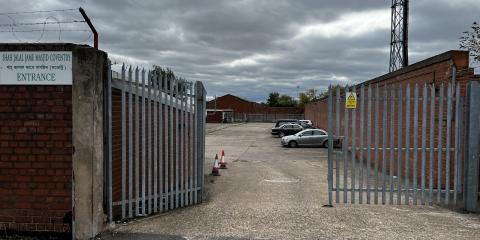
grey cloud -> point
(200, 40)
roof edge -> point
(457, 56)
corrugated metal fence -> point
(155, 145)
(402, 145)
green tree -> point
(334, 89)
(164, 76)
(471, 41)
(286, 101)
(307, 97)
(303, 100)
(273, 99)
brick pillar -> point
(51, 148)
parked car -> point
(284, 121)
(310, 137)
(306, 125)
(227, 120)
(306, 121)
(287, 129)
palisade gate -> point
(155, 142)
(404, 144)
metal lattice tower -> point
(399, 35)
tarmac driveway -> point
(271, 192)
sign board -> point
(36, 68)
(350, 100)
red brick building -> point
(244, 110)
(219, 115)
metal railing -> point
(395, 145)
(156, 142)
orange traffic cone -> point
(223, 164)
(215, 169)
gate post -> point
(330, 146)
(472, 147)
(89, 67)
(108, 142)
(200, 107)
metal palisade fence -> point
(402, 144)
(155, 144)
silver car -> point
(309, 137)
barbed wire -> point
(13, 20)
(44, 25)
(44, 11)
(46, 30)
(19, 26)
(87, 39)
(39, 23)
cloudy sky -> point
(249, 47)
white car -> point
(306, 121)
(310, 137)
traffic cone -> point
(215, 169)
(223, 164)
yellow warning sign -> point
(351, 100)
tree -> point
(277, 100)
(286, 101)
(303, 100)
(334, 89)
(307, 97)
(471, 41)
(273, 98)
(164, 76)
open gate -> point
(155, 143)
(402, 144)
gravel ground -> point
(270, 192)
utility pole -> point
(399, 35)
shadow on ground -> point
(147, 236)
(142, 236)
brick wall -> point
(437, 70)
(35, 157)
(240, 106)
(40, 170)
(215, 117)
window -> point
(321, 133)
(307, 133)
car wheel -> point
(325, 144)
(282, 134)
(292, 144)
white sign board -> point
(36, 68)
